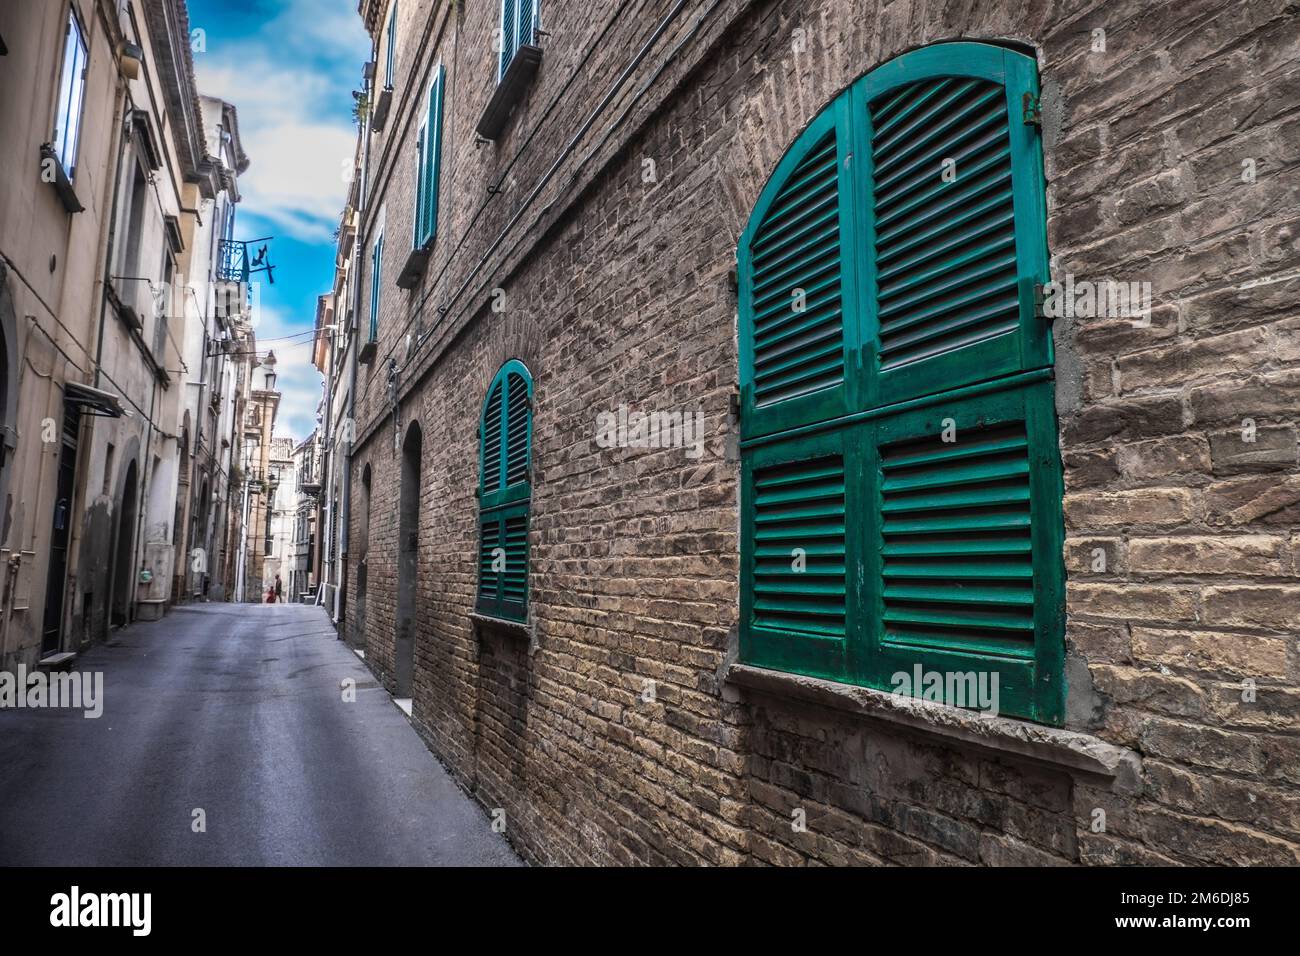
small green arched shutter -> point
(505, 493)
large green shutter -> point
(916, 471)
(390, 57)
(492, 431)
(505, 491)
(527, 21)
(800, 598)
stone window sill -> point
(513, 628)
(1081, 754)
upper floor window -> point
(72, 87)
(428, 156)
(505, 493)
(901, 485)
(518, 28)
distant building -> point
(260, 404)
(282, 512)
(304, 570)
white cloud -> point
(296, 175)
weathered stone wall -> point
(1180, 552)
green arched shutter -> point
(953, 241)
(797, 286)
(505, 493)
(901, 505)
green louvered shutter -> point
(376, 275)
(489, 580)
(492, 451)
(509, 34)
(429, 146)
(954, 241)
(918, 474)
(799, 544)
(796, 348)
(527, 22)
(964, 548)
(505, 491)
(518, 427)
(390, 54)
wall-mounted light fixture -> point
(129, 58)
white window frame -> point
(70, 108)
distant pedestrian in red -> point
(270, 595)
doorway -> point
(56, 579)
(408, 546)
(124, 555)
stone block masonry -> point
(612, 728)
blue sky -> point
(290, 67)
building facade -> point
(282, 514)
(216, 328)
(305, 570)
(809, 432)
(124, 199)
(258, 474)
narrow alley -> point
(237, 711)
(645, 434)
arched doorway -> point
(124, 553)
(408, 546)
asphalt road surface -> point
(238, 711)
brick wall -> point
(1180, 553)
